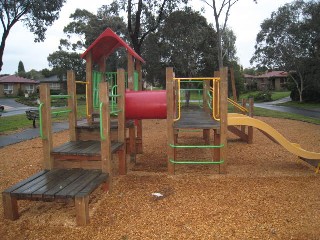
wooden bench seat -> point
(52, 185)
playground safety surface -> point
(267, 193)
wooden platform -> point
(52, 185)
(113, 125)
(197, 118)
(89, 149)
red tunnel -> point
(146, 104)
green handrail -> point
(40, 120)
(60, 96)
(61, 111)
(195, 146)
(101, 120)
(196, 162)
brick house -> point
(55, 83)
(270, 80)
(12, 85)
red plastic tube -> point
(146, 104)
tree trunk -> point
(2, 46)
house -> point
(55, 83)
(12, 85)
(270, 80)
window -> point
(55, 86)
(8, 88)
(29, 88)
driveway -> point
(11, 107)
(272, 106)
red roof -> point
(273, 74)
(106, 44)
(16, 79)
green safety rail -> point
(53, 112)
(111, 78)
(200, 161)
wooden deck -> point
(88, 149)
(196, 118)
(52, 185)
(113, 125)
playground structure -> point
(76, 168)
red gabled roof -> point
(273, 74)
(16, 79)
(106, 44)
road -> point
(11, 107)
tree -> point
(184, 41)
(220, 10)
(88, 26)
(21, 70)
(287, 41)
(61, 61)
(37, 15)
(145, 17)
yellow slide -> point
(235, 119)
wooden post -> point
(244, 104)
(130, 72)
(250, 129)
(139, 147)
(205, 97)
(89, 87)
(106, 164)
(223, 117)
(72, 105)
(46, 126)
(170, 112)
(121, 121)
(82, 210)
(216, 132)
(10, 206)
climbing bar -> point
(101, 127)
(196, 162)
(237, 105)
(60, 96)
(40, 120)
(81, 82)
(61, 111)
(196, 146)
(87, 105)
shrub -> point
(264, 96)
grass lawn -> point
(274, 95)
(19, 122)
(301, 105)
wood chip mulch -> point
(267, 193)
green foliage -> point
(264, 96)
(21, 70)
(190, 52)
(37, 15)
(289, 41)
(62, 61)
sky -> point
(245, 19)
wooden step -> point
(81, 154)
(85, 131)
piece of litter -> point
(157, 194)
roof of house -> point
(16, 79)
(52, 79)
(248, 76)
(106, 44)
(273, 74)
